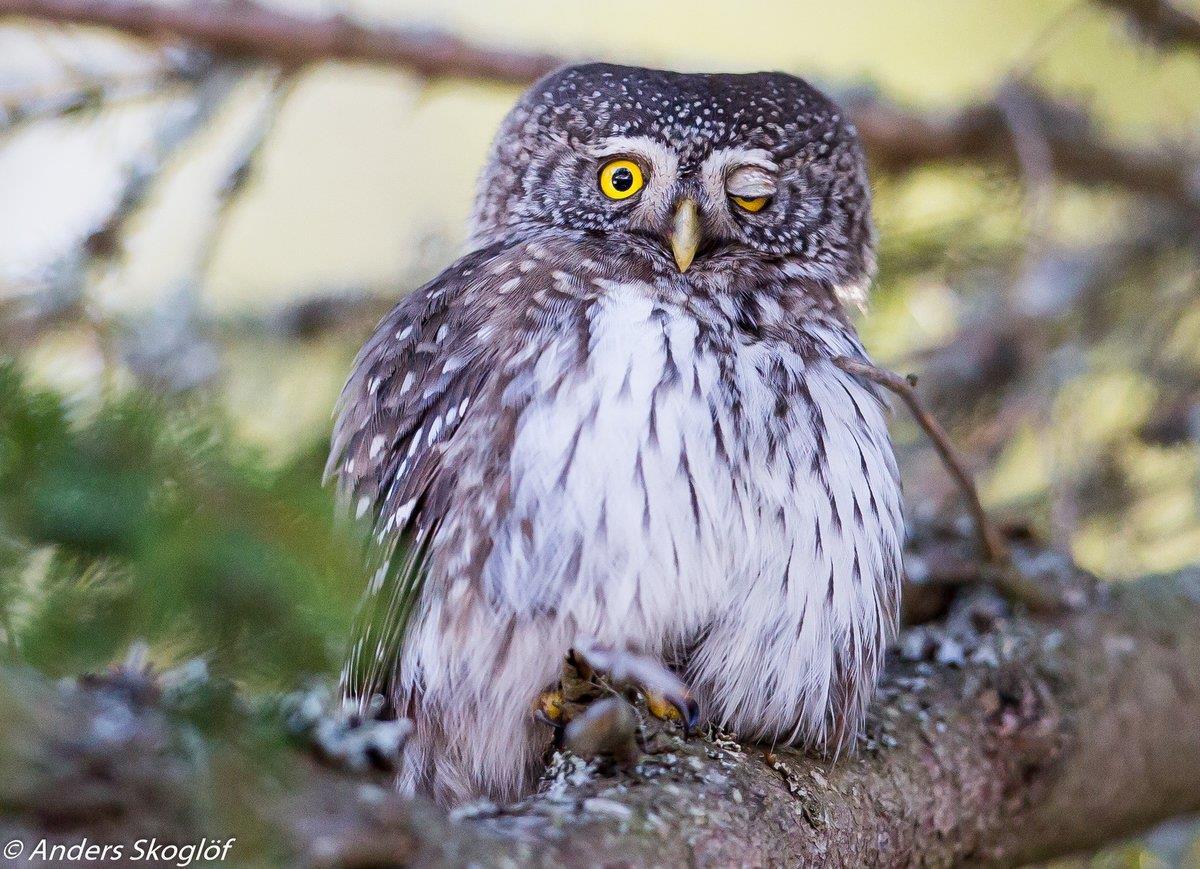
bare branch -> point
(992, 761)
(991, 544)
(85, 92)
(177, 129)
(246, 30)
(17, 110)
(173, 350)
(24, 317)
(1160, 21)
(1043, 737)
(244, 165)
(896, 139)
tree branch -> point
(1082, 732)
(1160, 21)
(18, 110)
(248, 31)
(1031, 738)
(896, 139)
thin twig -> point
(1036, 174)
(179, 126)
(19, 110)
(991, 544)
(64, 298)
(172, 349)
(243, 165)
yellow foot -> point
(551, 707)
(590, 673)
(575, 691)
(667, 697)
(661, 707)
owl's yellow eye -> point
(753, 203)
(620, 179)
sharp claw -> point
(674, 707)
(555, 726)
(550, 709)
(690, 712)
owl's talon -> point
(550, 707)
(667, 696)
(683, 710)
(556, 728)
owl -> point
(616, 423)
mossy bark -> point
(1055, 735)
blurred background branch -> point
(903, 141)
(897, 140)
(248, 31)
(1161, 21)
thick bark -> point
(997, 739)
(1084, 728)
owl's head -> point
(703, 167)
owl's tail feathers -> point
(474, 732)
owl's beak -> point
(685, 233)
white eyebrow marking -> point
(661, 164)
(662, 161)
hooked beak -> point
(685, 233)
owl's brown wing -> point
(410, 387)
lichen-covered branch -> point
(1049, 738)
(998, 738)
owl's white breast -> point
(663, 488)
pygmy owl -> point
(616, 421)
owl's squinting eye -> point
(620, 179)
(750, 203)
